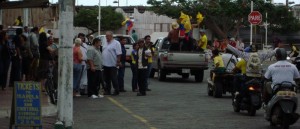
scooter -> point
(281, 109)
(249, 98)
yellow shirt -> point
(203, 40)
(241, 65)
(150, 58)
(218, 59)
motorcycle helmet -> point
(280, 54)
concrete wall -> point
(146, 23)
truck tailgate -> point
(186, 59)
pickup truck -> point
(128, 45)
(184, 63)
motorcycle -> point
(249, 98)
(281, 109)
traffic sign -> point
(255, 17)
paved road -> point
(173, 104)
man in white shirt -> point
(111, 55)
(281, 71)
(229, 60)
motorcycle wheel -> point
(236, 107)
(217, 93)
(209, 92)
(252, 110)
(285, 126)
(276, 113)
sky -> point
(134, 2)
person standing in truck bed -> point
(173, 37)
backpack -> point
(253, 65)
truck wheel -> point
(152, 73)
(217, 93)
(161, 75)
(185, 75)
(199, 76)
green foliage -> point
(110, 19)
(227, 16)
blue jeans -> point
(134, 83)
(121, 72)
(149, 68)
(76, 76)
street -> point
(174, 104)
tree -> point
(226, 16)
(110, 19)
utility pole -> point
(251, 26)
(26, 16)
(65, 62)
(99, 18)
(266, 27)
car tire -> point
(161, 75)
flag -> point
(128, 23)
(185, 22)
(199, 18)
(42, 30)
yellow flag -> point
(42, 30)
(199, 18)
(124, 22)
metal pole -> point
(65, 62)
(25, 16)
(266, 27)
(1, 17)
(251, 26)
(99, 18)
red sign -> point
(255, 17)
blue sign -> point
(27, 104)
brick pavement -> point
(48, 110)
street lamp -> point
(117, 2)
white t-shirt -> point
(84, 48)
(110, 52)
(226, 57)
(282, 71)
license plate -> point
(185, 70)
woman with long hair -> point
(4, 59)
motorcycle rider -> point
(250, 72)
(281, 71)
(218, 63)
(239, 77)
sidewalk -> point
(48, 110)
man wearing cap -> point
(173, 36)
(202, 43)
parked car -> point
(184, 63)
(128, 45)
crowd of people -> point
(99, 67)
(25, 56)
(28, 55)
